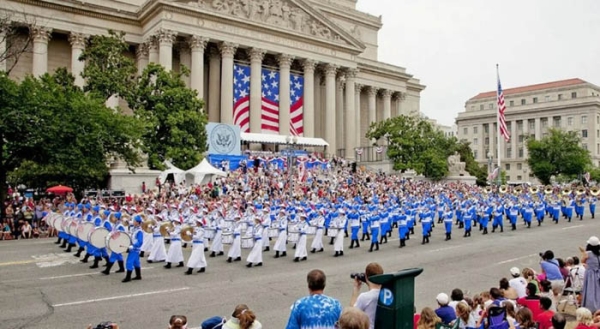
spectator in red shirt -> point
(532, 300)
(584, 319)
(544, 319)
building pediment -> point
(291, 15)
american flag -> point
(241, 97)
(297, 104)
(501, 109)
(270, 101)
(493, 175)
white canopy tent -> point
(281, 139)
(178, 174)
(202, 173)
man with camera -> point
(366, 301)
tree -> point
(558, 153)
(415, 144)
(108, 71)
(53, 132)
(175, 120)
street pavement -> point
(44, 287)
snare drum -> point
(273, 232)
(293, 237)
(227, 238)
(311, 230)
(118, 242)
(84, 229)
(332, 232)
(97, 237)
(209, 233)
(247, 242)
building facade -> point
(330, 44)
(571, 105)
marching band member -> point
(93, 215)
(280, 244)
(317, 243)
(266, 223)
(175, 253)
(72, 240)
(235, 251)
(86, 216)
(158, 253)
(114, 257)
(365, 226)
(468, 219)
(592, 205)
(300, 253)
(216, 247)
(374, 220)
(197, 258)
(402, 229)
(579, 207)
(148, 237)
(354, 228)
(447, 216)
(255, 256)
(426, 222)
(340, 223)
(498, 214)
(133, 257)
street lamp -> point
(291, 141)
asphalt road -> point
(43, 287)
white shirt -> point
(519, 284)
(367, 302)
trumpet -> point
(580, 190)
(595, 191)
(548, 189)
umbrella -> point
(59, 189)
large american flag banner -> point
(270, 101)
(296, 104)
(241, 97)
(501, 109)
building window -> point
(519, 178)
(520, 152)
(523, 101)
(531, 125)
(508, 178)
(519, 166)
(472, 107)
(534, 100)
(597, 133)
(508, 153)
(475, 130)
(475, 154)
(491, 106)
(475, 141)
(569, 121)
(584, 146)
(559, 96)
(511, 103)
(507, 166)
(547, 98)
(574, 94)
(486, 128)
(521, 138)
(487, 141)
(487, 151)
(465, 131)
(584, 119)
(481, 107)
(584, 133)
(557, 122)
(544, 123)
(508, 126)
(597, 148)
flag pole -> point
(498, 127)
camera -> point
(105, 325)
(360, 276)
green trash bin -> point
(395, 307)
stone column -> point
(214, 83)
(330, 71)
(309, 97)
(357, 112)
(372, 107)
(40, 36)
(141, 56)
(227, 51)
(165, 42)
(398, 97)
(152, 49)
(256, 57)
(197, 45)
(513, 139)
(2, 50)
(481, 155)
(77, 41)
(185, 59)
(387, 103)
(285, 121)
(538, 129)
(525, 136)
(350, 115)
(339, 111)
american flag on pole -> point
(493, 175)
(270, 101)
(501, 109)
(587, 177)
(241, 97)
(297, 104)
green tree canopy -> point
(558, 153)
(175, 120)
(53, 132)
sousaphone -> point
(595, 191)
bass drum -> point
(97, 237)
(66, 224)
(58, 223)
(73, 226)
(118, 242)
(84, 229)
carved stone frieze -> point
(280, 13)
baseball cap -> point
(442, 299)
(515, 271)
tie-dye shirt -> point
(315, 312)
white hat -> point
(442, 299)
(515, 271)
(593, 241)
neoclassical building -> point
(329, 43)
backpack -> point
(496, 318)
(216, 322)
